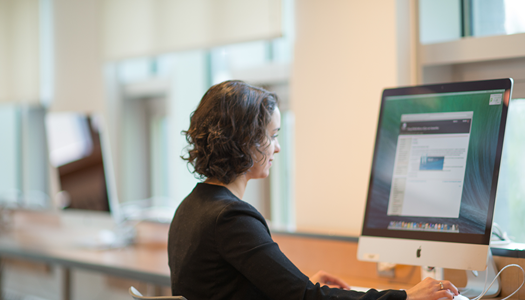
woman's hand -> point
(431, 289)
(332, 281)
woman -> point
(219, 246)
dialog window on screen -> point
(430, 163)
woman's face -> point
(261, 166)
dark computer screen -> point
(76, 153)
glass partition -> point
(24, 173)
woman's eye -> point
(275, 136)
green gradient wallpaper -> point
(480, 158)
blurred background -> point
(94, 95)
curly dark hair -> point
(229, 124)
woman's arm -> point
(330, 280)
(244, 241)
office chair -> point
(138, 296)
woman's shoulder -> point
(212, 194)
(224, 203)
(215, 200)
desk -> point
(44, 237)
(41, 237)
(338, 255)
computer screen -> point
(76, 152)
(79, 153)
(434, 174)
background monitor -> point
(434, 174)
(79, 152)
(75, 150)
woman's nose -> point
(277, 147)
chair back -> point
(138, 296)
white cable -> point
(509, 265)
(485, 289)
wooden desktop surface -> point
(41, 237)
(38, 236)
(339, 257)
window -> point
(510, 203)
(10, 160)
(496, 17)
(439, 21)
(447, 20)
(23, 157)
(140, 136)
(154, 97)
(265, 64)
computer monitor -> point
(79, 153)
(75, 150)
(434, 174)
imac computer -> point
(434, 176)
(85, 189)
(75, 150)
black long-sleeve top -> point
(220, 247)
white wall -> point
(346, 52)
